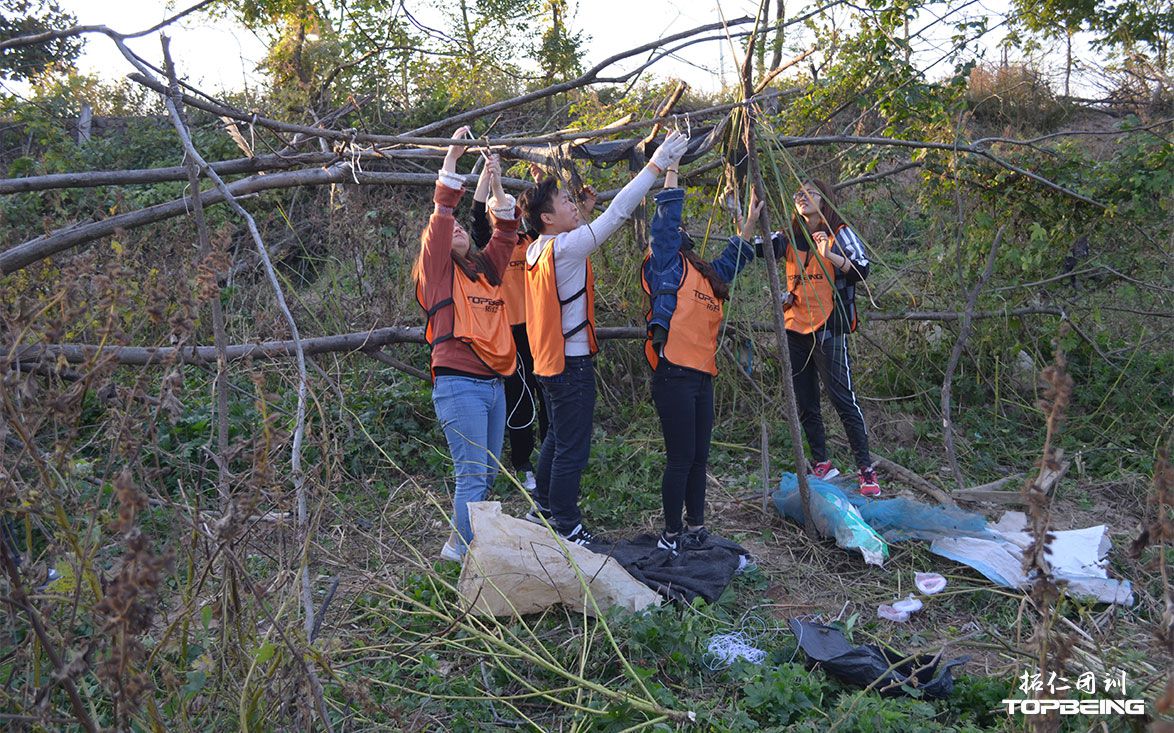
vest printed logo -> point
(516, 264)
(709, 301)
(491, 305)
(796, 279)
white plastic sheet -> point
(1076, 556)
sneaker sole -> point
(537, 519)
(869, 493)
(829, 475)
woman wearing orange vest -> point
(685, 296)
(824, 260)
(467, 328)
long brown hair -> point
(832, 221)
(720, 287)
(473, 264)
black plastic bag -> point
(862, 665)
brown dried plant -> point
(1052, 645)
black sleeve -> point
(481, 230)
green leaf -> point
(265, 652)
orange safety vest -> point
(479, 319)
(813, 288)
(513, 283)
(693, 329)
(544, 315)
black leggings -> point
(823, 356)
(523, 405)
(684, 401)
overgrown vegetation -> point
(178, 609)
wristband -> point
(452, 180)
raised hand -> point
(670, 151)
(493, 171)
(455, 151)
(748, 222)
(587, 198)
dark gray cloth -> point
(703, 571)
(863, 665)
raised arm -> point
(436, 258)
(503, 208)
(663, 271)
(587, 238)
(479, 228)
(666, 228)
(739, 252)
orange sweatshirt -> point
(438, 270)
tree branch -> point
(376, 338)
(22, 255)
(956, 354)
(78, 30)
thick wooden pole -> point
(790, 409)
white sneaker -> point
(529, 483)
(450, 550)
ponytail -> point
(720, 287)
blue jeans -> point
(472, 413)
(570, 404)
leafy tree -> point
(1128, 25)
(559, 53)
(28, 17)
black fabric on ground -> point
(703, 571)
(863, 665)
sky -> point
(218, 54)
(221, 54)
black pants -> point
(570, 402)
(684, 401)
(823, 356)
(523, 405)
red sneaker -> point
(824, 471)
(868, 484)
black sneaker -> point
(539, 515)
(579, 536)
(669, 541)
(694, 539)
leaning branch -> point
(235, 166)
(793, 142)
(26, 253)
(299, 479)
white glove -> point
(670, 151)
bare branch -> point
(22, 255)
(78, 30)
(956, 354)
(375, 338)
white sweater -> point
(572, 248)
